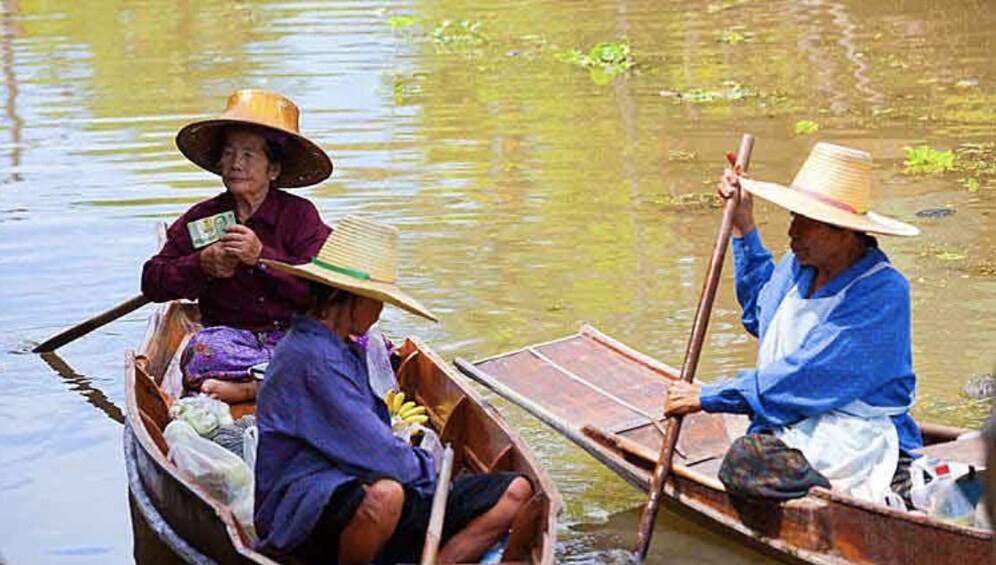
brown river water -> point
(533, 195)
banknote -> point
(206, 231)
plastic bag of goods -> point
(205, 414)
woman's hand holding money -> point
(241, 242)
(218, 263)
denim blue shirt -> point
(862, 352)
(320, 426)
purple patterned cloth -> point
(225, 353)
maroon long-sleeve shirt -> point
(255, 298)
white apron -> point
(855, 446)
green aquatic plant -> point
(732, 91)
(405, 87)
(731, 36)
(402, 21)
(925, 160)
(604, 61)
(462, 34)
(977, 163)
(806, 127)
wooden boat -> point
(607, 398)
(176, 520)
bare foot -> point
(232, 393)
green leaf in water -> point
(972, 184)
(462, 34)
(733, 91)
(604, 61)
(924, 160)
(731, 36)
(806, 127)
(402, 21)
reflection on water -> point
(531, 197)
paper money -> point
(206, 231)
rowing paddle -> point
(434, 533)
(699, 326)
(81, 329)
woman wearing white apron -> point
(830, 395)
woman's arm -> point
(175, 272)
(753, 266)
(304, 239)
(343, 425)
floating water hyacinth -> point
(806, 127)
(402, 21)
(604, 61)
(924, 160)
(731, 36)
(733, 91)
(461, 34)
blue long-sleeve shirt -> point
(320, 426)
(862, 352)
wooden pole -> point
(434, 534)
(699, 327)
(83, 328)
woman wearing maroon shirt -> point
(256, 149)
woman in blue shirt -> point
(333, 483)
(834, 379)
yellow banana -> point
(413, 410)
(419, 419)
(406, 407)
(389, 399)
(399, 400)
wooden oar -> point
(80, 330)
(435, 532)
(699, 327)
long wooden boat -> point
(607, 398)
(174, 520)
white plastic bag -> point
(250, 439)
(430, 442)
(205, 414)
(221, 473)
(379, 368)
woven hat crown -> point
(358, 244)
(837, 175)
(263, 107)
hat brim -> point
(305, 163)
(804, 204)
(385, 292)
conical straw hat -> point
(305, 163)
(360, 257)
(833, 186)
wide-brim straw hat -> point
(360, 257)
(304, 164)
(833, 186)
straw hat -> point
(305, 163)
(360, 257)
(833, 186)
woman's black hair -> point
(324, 296)
(274, 151)
(869, 241)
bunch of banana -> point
(404, 413)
